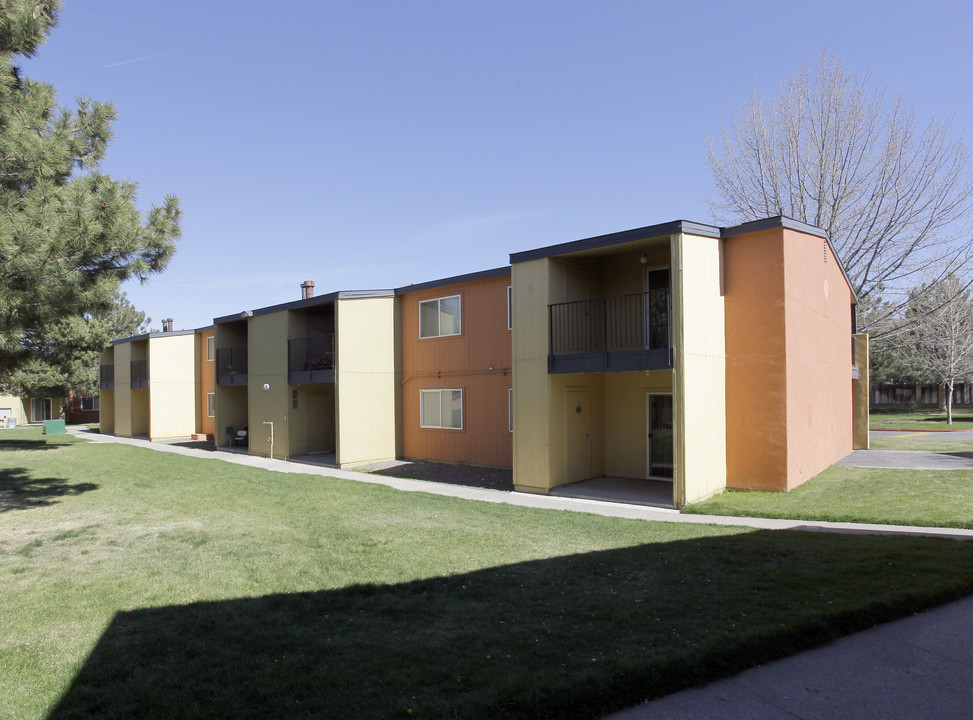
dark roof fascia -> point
(619, 238)
(787, 223)
(146, 336)
(455, 280)
(304, 303)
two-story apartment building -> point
(709, 357)
(686, 353)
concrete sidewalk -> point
(918, 667)
(551, 502)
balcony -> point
(612, 334)
(140, 374)
(107, 377)
(231, 366)
(310, 360)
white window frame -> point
(210, 404)
(459, 319)
(95, 403)
(440, 391)
(211, 348)
(510, 307)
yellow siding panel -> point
(267, 365)
(123, 390)
(17, 409)
(172, 386)
(365, 380)
(700, 368)
(532, 451)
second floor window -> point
(439, 317)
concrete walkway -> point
(918, 667)
(551, 502)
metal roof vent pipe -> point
(307, 289)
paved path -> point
(914, 459)
(917, 668)
(598, 507)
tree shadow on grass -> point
(571, 637)
(19, 490)
(28, 444)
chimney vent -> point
(307, 289)
(166, 324)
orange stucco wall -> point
(463, 361)
(788, 365)
(205, 382)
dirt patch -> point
(469, 475)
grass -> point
(928, 498)
(921, 443)
(141, 584)
(927, 420)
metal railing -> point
(140, 373)
(310, 354)
(107, 376)
(640, 321)
(231, 365)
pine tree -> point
(69, 234)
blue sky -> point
(375, 144)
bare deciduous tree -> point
(831, 151)
(944, 337)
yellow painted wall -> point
(17, 409)
(267, 365)
(626, 430)
(365, 380)
(172, 386)
(123, 389)
(699, 422)
(860, 393)
(533, 422)
(141, 409)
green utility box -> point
(53, 427)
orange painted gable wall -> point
(461, 361)
(205, 382)
(788, 365)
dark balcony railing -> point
(624, 332)
(107, 373)
(231, 365)
(310, 359)
(140, 374)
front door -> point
(659, 441)
(577, 450)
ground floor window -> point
(41, 409)
(90, 403)
(441, 408)
(210, 404)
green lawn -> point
(137, 584)
(930, 498)
(919, 420)
(957, 442)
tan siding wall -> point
(172, 386)
(699, 423)
(463, 361)
(267, 364)
(756, 389)
(123, 390)
(365, 380)
(819, 403)
(531, 383)
(231, 402)
(17, 409)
